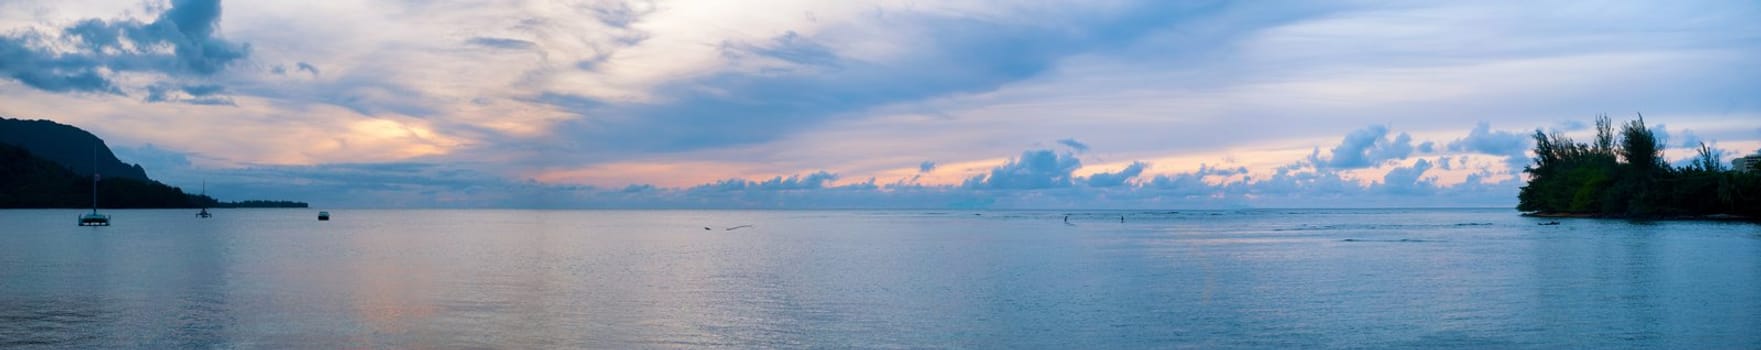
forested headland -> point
(1622, 173)
(44, 164)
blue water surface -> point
(1386, 278)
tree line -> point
(1622, 173)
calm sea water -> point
(874, 279)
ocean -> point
(1262, 278)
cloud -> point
(926, 166)
(1409, 179)
(790, 47)
(1689, 140)
(1073, 144)
(1484, 140)
(791, 81)
(1571, 125)
(1119, 178)
(813, 181)
(1365, 148)
(86, 56)
(619, 14)
(878, 87)
(157, 161)
(1037, 179)
(199, 94)
(1318, 183)
(1039, 169)
(307, 67)
(1661, 131)
(387, 184)
(1192, 184)
(502, 43)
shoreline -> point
(1711, 217)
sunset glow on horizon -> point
(1120, 103)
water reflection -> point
(550, 279)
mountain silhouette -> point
(44, 164)
(67, 145)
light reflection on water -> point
(623, 279)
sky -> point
(873, 104)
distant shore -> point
(1711, 217)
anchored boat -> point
(204, 214)
(94, 219)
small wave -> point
(1373, 227)
(1402, 240)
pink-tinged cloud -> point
(952, 104)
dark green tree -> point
(1625, 175)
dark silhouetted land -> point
(1623, 174)
(44, 164)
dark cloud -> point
(1428, 147)
(618, 14)
(307, 67)
(1073, 144)
(1117, 179)
(926, 166)
(47, 72)
(1571, 125)
(592, 63)
(210, 101)
(203, 89)
(1365, 148)
(788, 47)
(502, 43)
(1483, 140)
(1039, 169)
(568, 101)
(90, 50)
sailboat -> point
(204, 214)
(94, 219)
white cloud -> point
(679, 93)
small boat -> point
(204, 214)
(324, 216)
(94, 219)
(1549, 223)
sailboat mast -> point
(94, 178)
